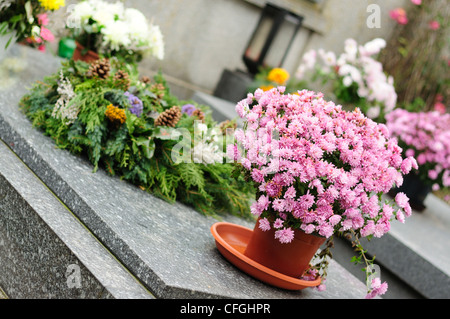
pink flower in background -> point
(399, 15)
(42, 19)
(427, 134)
(41, 48)
(440, 107)
(32, 40)
(434, 25)
(47, 35)
(417, 2)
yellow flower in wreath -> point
(278, 75)
(115, 114)
(52, 4)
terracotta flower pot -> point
(291, 259)
(89, 56)
(232, 241)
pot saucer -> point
(232, 240)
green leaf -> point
(192, 175)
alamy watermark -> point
(73, 276)
(372, 271)
(373, 21)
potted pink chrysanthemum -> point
(426, 136)
(319, 172)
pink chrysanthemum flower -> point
(285, 235)
(264, 224)
(377, 288)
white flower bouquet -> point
(110, 29)
(357, 77)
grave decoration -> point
(319, 172)
(134, 128)
(109, 29)
(26, 21)
(426, 136)
(356, 77)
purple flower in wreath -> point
(136, 104)
(188, 109)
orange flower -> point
(266, 87)
(115, 114)
(278, 75)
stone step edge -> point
(135, 288)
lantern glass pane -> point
(259, 40)
(280, 44)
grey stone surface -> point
(45, 252)
(418, 250)
(169, 248)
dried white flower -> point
(64, 110)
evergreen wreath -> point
(84, 110)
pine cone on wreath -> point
(122, 80)
(169, 117)
(145, 79)
(158, 89)
(199, 114)
(100, 68)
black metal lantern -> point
(272, 38)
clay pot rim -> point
(88, 57)
(279, 279)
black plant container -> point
(416, 190)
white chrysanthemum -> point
(137, 27)
(134, 16)
(350, 71)
(374, 46)
(80, 12)
(103, 17)
(35, 31)
(156, 42)
(351, 49)
(329, 58)
(116, 35)
(309, 59)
